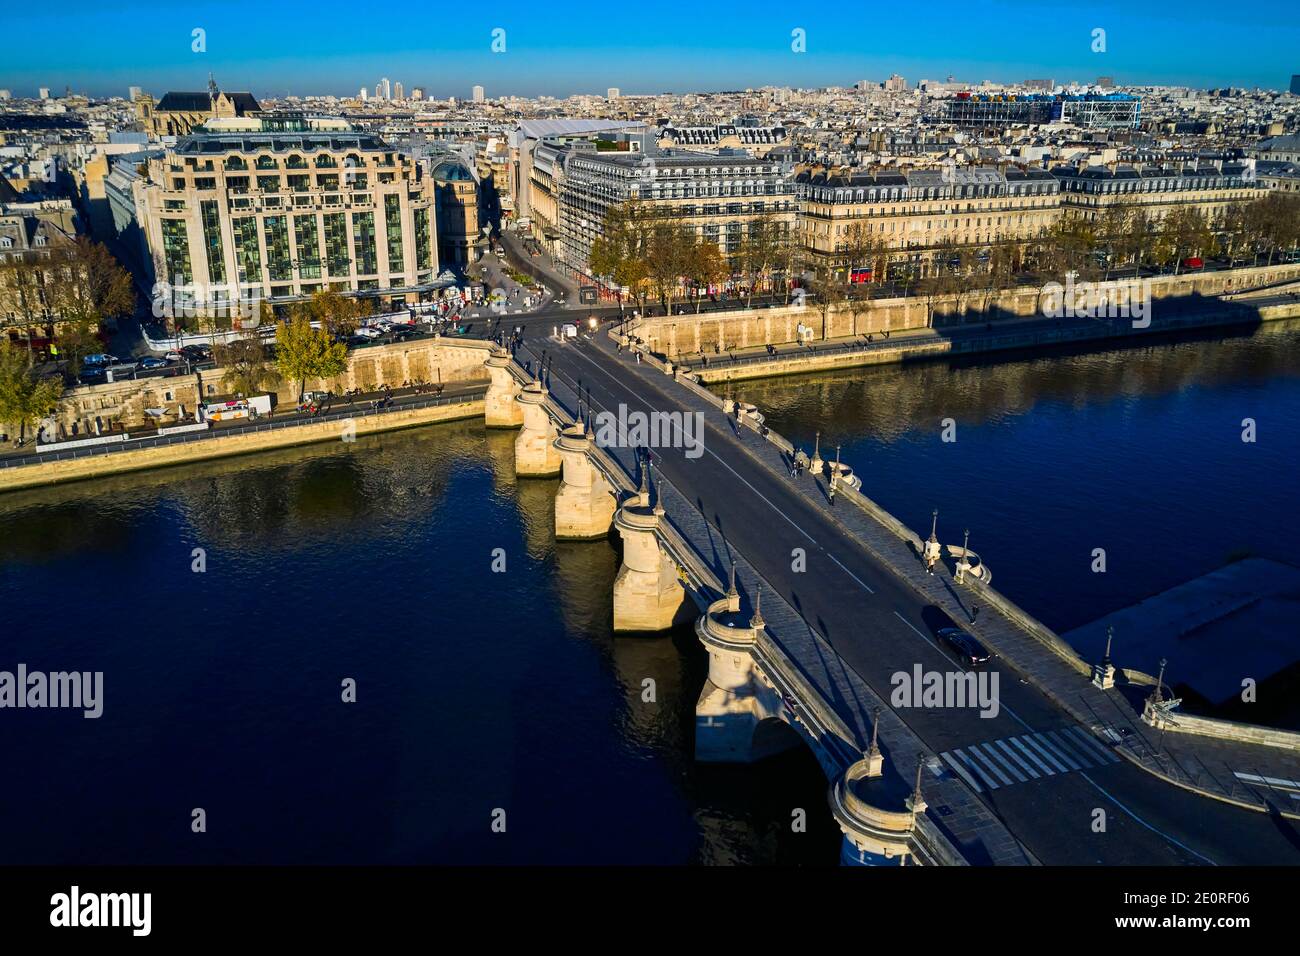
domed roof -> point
(452, 170)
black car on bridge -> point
(964, 645)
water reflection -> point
(1135, 450)
(889, 401)
(369, 559)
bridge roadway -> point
(878, 625)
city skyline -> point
(543, 57)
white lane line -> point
(1159, 833)
(1034, 745)
(974, 768)
(976, 750)
(1070, 749)
(1279, 782)
(1017, 765)
(849, 573)
(995, 755)
(961, 771)
(919, 634)
(1047, 771)
(1090, 741)
(1053, 747)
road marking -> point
(996, 760)
(998, 754)
(1054, 736)
(1095, 744)
(1046, 753)
(848, 572)
(1159, 833)
(959, 753)
(1020, 761)
(1047, 771)
(951, 761)
(987, 765)
(645, 405)
(974, 767)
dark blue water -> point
(1135, 451)
(476, 691)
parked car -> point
(149, 363)
(402, 332)
(175, 355)
(368, 332)
(198, 353)
(99, 360)
(1194, 262)
(968, 650)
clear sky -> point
(560, 47)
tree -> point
(706, 267)
(828, 293)
(89, 286)
(247, 371)
(1187, 232)
(302, 352)
(668, 256)
(25, 398)
(759, 251)
(619, 254)
(337, 314)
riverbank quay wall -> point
(930, 344)
(678, 336)
(189, 448)
(120, 405)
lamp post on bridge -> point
(875, 762)
(932, 551)
(1103, 674)
(963, 563)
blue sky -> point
(331, 46)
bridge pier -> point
(735, 703)
(584, 505)
(500, 410)
(535, 452)
(877, 825)
(647, 594)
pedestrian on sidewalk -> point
(974, 612)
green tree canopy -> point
(25, 397)
(302, 352)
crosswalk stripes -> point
(1012, 760)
